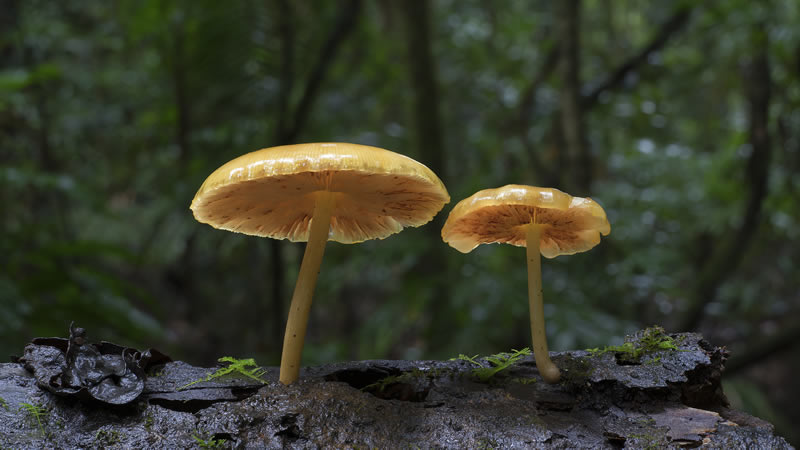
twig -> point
(675, 23)
(345, 24)
(783, 341)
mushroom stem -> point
(304, 289)
(547, 369)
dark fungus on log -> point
(104, 372)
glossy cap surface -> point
(271, 192)
(569, 224)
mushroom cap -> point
(569, 224)
(271, 192)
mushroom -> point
(544, 220)
(313, 193)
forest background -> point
(681, 118)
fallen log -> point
(648, 393)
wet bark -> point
(667, 398)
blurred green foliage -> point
(113, 113)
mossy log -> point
(668, 396)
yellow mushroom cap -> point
(569, 224)
(271, 192)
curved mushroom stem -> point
(304, 289)
(547, 369)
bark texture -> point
(661, 399)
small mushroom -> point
(544, 220)
(313, 193)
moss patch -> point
(209, 441)
(38, 413)
(651, 341)
(246, 367)
(497, 363)
(107, 437)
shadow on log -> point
(663, 398)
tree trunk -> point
(290, 124)
(572, 122)
(731, 246)
(429, 142)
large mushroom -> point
(544, 220)
(317, 192)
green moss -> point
(148, 421)
(499, 362)
(4, 404)
(648, 435)
(107, 437)
(412, 376)
(646, 441)
(533, 420)
(210, 442)
(651, 341)
(37, 412)
(646, 421)
(246, 367)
